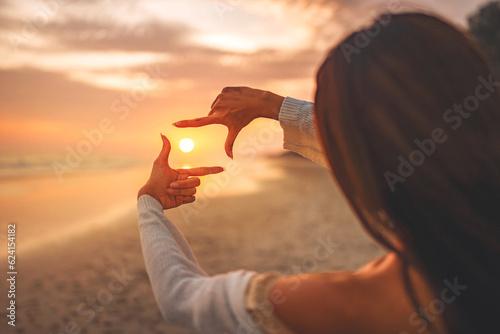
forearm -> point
(161, 238)
(185, 294)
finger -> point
(195, 122)
(230, 89)
(201, 171)
(231, 136)
(182, 175)
(165, 151)
(189, 183)
(215, 101)
(181, 192)
(184, 199)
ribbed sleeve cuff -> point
(289, 112)
(146, 202)
(289, 121)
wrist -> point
(145, 190)
(273, 103)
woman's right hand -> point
(236, 107)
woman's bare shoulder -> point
(371, 300)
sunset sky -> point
(135, 66)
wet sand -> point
(95, 282)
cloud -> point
(81, 35)
(7, 21)
(255, 69)
(29, 92)
(46, 111)
(188, 60)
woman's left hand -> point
(173, 187)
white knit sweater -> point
(186, 295)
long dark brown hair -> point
(409, 117)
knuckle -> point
(230, 89)
(217, 117)
(217, 99)
(228, 120)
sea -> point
(48, 206)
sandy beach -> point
(94, 281)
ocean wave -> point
(28, 166)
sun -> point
(186, 145)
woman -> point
(409, 127)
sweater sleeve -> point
(300, 133)
(186, 295)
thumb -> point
(165, 151)
(231, 136)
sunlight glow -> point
(227, 42)
(186, 145)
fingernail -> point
(176, 123)
(170, 190)
(174, 185)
